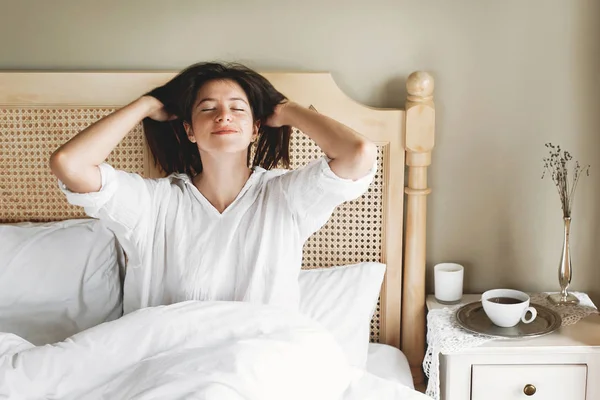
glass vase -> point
(564, 270)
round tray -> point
(472, 318)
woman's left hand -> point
(278, 118)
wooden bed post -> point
(419, 141)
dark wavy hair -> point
(168, 141)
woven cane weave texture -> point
(28, 136)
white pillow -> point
(343, 300)
(59, 278)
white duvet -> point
(192, 350)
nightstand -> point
(563, 365)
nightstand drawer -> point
(544, 382)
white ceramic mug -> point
(507, 307)
(448, 282)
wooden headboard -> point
(39, 111)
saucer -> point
(472, 318)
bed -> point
(40, 110)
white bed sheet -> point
(389, 363)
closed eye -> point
(208, 109)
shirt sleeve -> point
(314, 191)
(124, 203)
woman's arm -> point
(352, 154)
(76, 162)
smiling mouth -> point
(224, 132)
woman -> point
(216, 228)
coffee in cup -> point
(507, 307)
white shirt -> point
(181, 248)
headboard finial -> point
(419, 86)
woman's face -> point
(221, 118)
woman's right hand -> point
(156, 109)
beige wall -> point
(511, 75)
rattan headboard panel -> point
(28, 136)
(354, 231)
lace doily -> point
(444, 335)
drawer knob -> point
(529, 390)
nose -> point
(224, 114)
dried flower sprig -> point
(557, 165)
